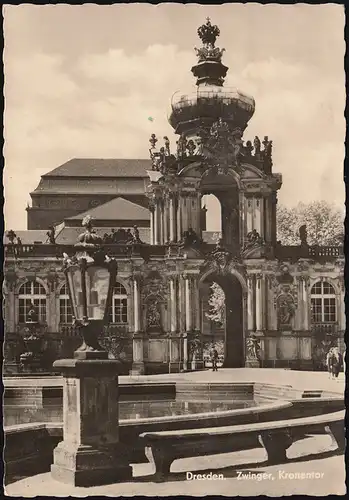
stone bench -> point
(163, 447)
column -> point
(249, 214)
(188, 305)
(152, 225)
(261, 217)
(179, 218)
(259, 302)
(173, 296)
(166, 221)
(273, 205)
(161, 217)
(172, 219)
(267, 218)
(305, 303)
(138, 340)
(184, 212)
(250, 322)
(157, 223)
(197, 305)
(272, 323)
(242, 218)
(136, 303)
(257, 215)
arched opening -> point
(222, 212)
(211, 214)
(221, 302)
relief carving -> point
(285, 310)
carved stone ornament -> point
(303, 266)
(283, 288)
(154, 285)
(221, 148)
(220, 257)
(285, 310)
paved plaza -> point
(326, 468)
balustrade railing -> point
(313, 252)
(325, 328)
(113, 250)
(69, 330)
(128, 251)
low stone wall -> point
(29, 449)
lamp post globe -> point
(90, 276)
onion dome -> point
(210, 101)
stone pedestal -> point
(90, 453)
(138, 355)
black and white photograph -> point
(173, 291)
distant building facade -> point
(284, 306)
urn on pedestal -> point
(90, 453)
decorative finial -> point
(208, 33)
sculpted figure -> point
(257, 145)
(303, 235)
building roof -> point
(116, 209)
(98, 167)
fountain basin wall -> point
(29, 447)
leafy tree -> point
(216, 303)
(324, 223)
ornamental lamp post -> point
(90, 277)
(90, 453)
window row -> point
(34, 294)
(322, 300)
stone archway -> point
(234, 327)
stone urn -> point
(31, 359)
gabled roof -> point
(98, 167)
(116, 209)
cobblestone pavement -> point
(323, 474)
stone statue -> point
(11, 235)
(248, 148)
(51, 235)
(257, 146)
(136, 237)
(181, 146)
(167, 145)
(303, 235)
(32, 316)
(286, 310)
(153, 315)
(153, 140)
(253, 239)
(191, 147)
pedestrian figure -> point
(333, 362)
(214, 359)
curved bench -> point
(163, 447)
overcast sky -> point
(81, 81)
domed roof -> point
(210, 100)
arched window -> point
(65, 309)
(119, 304)
(32, 292)
(323, 303)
